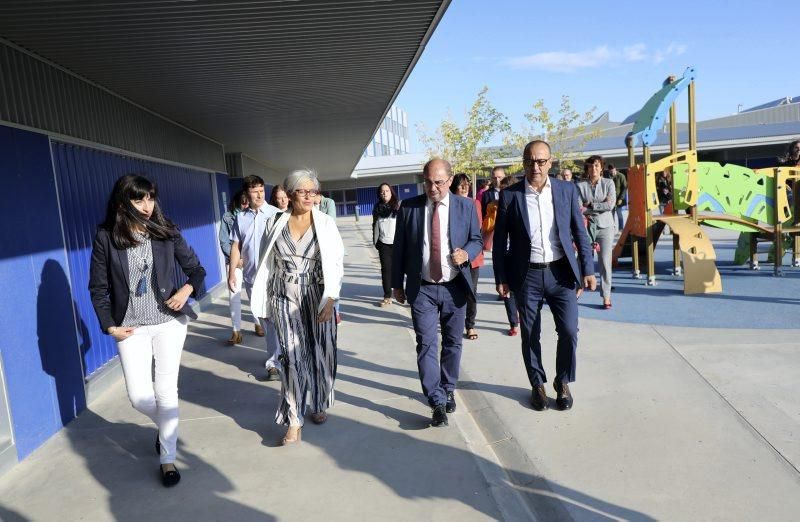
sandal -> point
(472, 334)
(292, 435)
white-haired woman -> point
(297, 284)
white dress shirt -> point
(545, 244)
(449, 272)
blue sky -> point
(610, 55)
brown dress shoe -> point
(236, 338)
(564, 398)
(539, 398)
(259, 331)
(319, 418)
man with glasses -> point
(437, 235)
(246, 234)
(538, 222)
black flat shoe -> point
(450, 405)
(169, 478)
(158, 444)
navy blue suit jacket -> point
(464, 233)
(512, 238)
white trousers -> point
(270, 336)
(157, 399)
(236, 302)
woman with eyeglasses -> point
(297, 283)
(131, 282)
(461, 186)
(599, 197)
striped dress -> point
(307, 348)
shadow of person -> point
(9, 515)
(60, 349)
(121, 459)
(420, 469)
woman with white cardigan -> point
(296, 286)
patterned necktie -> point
(436, 246)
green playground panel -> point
(729, 189)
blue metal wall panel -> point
(85, 177)
(39, 345)
(408, 190)
(368, 196)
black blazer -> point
(109, 274)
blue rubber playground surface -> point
(750, 299)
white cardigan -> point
(331, 251)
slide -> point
(700, 274)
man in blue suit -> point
(436, 238)
(538, 221)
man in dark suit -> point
(436, 238)
(538, 221)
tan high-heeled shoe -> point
(293, 434)
(236, 338)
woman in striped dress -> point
(297, 284)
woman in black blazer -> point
(137, 302)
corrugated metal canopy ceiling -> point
(290, 83)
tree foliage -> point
(461, 144)
(566, 131)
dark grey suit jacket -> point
(109, 274)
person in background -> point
(298, 279)
(246, 236)
(238, 204)
(491, 194)
(792, 156)
(621, 188)
(664, 190)
(132, 284)
(461, 186)
(484, 186)
(384, 221)
(599, 197)
(326, 205)
(279, 199)
(565, 174)
(509, 301)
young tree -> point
(459, 144)
(567, 131)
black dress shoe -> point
(564, 398)
(539, 398)
(439, 416)
(450, 406)
(169, 478)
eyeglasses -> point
(305, 193)
(439, 182)
(541, 162)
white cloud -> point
(601, 56)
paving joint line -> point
(739, 414)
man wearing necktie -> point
(436, 238)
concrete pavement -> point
(668, 423)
